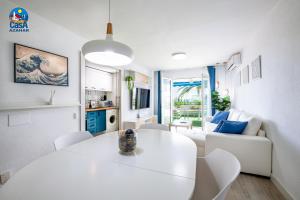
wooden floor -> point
(254, 188)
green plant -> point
(220, 103)
(130, 82)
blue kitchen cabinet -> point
(101, 121)
(96, 121)
(91, 122)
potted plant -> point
(220, 103)
(130, 82)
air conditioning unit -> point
(234, 61)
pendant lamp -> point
(108, 52)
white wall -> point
(22, 144)
(126, 112)
(184, 73)
(276, 97)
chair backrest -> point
(155, 126)
(71, 138)
(215, 174)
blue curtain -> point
(212, 81)
(159, 97)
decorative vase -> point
(127, 141)
(51, 100)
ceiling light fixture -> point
(108, 52)
(179, 55)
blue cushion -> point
(233, 127)
(219, 126)
(222, 115)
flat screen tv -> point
(140, 98)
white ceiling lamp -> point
(108, 52)
(179, 56)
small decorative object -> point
(34, 66)
(256, 68)
(130, 82)
(220, 103)
(127, 141)
(51, 100)
(245, 75)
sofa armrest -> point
(253, 152)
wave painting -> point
(39, 67)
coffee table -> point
(182, 123)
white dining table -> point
(163, 166)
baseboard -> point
(281, 188)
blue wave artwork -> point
(40, 68)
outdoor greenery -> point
(187, 110)
(220, 103)
(178, 102)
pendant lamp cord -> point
(108, 10)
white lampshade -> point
(107, 52)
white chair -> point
(71, 138)
(215, 174)
(155, 126)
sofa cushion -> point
(209, 127)
(232, 127)
(233, 115)
(219, 116)
(219, 126)
(261, 133)
(253, 126)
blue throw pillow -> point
(219, 126)
(234, 127)
(222, 115)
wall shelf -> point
(35, 107)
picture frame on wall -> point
(245, 75)
(35, 66)
(256, 68)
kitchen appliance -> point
(93, 104)
(102, 104)
(108, 104)
(112, 120)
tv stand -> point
(137, 122)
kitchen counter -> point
(99, 108)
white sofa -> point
(252, 148)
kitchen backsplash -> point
(97, 96)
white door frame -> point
(171, 103)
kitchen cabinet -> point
(96, 121)
(91, 122)
(98, 80)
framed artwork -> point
(256, 68)
(34, 66)
(245, 75)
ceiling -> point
(209, 31)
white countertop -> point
(163, 167)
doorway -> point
(185, 100)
